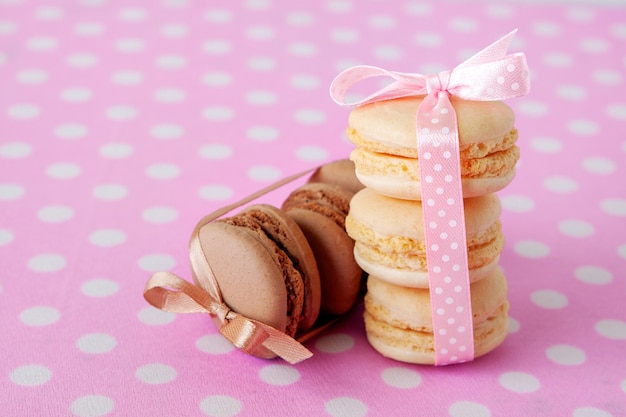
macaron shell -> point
(389, 126)
(340, 172)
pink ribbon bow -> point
(489, 75)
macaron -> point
(320, 209)
(340, 172)
(386, 154)
(398, 320)
(264, 267)
(390, 244)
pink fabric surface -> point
(123, 123)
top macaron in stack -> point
(386, 221)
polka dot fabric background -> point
(123, 123)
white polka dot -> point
(30, 375)
(279, 375)
(82, 60)
(23, 111)
(566, 355)
(344, 35)
(300, 19)
(218, 113)
(47, 262)
(62, 171)
(15, 150)
(92, 406)
(263, 173)
(70, 131)
(132, 14)
(163, 171)
(576, 228)
(345, 407)
(533, 108)
(216, 47)
(531, 249)
(40, 316)
(335, 343)
(7, 27)
(261, 63)
(42, 44)
(167, 131)
(155, 317)
(594, 45)
(76, 94)
(260, 98)
(517, 203)
(215, 192)
(130, 45)
(617, 111)
(599, 165)
(514, 325)
(260, 32)
(428, 39)
(88, 29)
(220, 406)
(55, 214)
(99, 288)
(116, 150)
(558, 59)
(611, 329)
(418, 8)
(156, 262)
(96, 343)
(621, 251)
(607, 77)
(107, 238)
(121, 113)
(170, 62)
(217, 79)
(127, 77)
(463, 24)
(11, 192)
(174, 30)
(218, 16)
(403, 378)
(304, 82)
(159, 215)
(32, 76)
(311, 153)
(339, 6)
(580, 14)
(546, 145)
(468, 409)
(546, 28)
(262, 133)
(214, 344)
(6, 237)
(110, 192)
(388, 52)
(549, 299)
(590, 412)
(614, 206)
(583, 127)
(571, 92)
(310, 116)
(156, 373)
(382, 22)
(520, 382)
(561, 185)
(302, 49)
(169, 95)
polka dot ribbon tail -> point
(489, 75)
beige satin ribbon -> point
(168, 292)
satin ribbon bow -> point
(489, 75)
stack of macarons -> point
(291, 267)
(386, 222)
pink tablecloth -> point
(123, 123)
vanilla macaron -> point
(386, 156)
(399, 325)
(390, 243)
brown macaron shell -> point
(264, 267)
(320, 210)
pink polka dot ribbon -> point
(491, 74)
